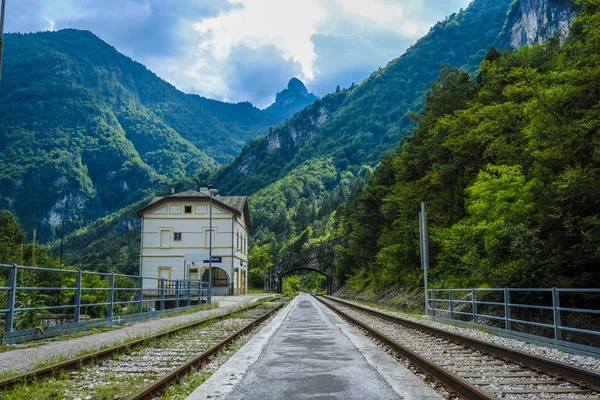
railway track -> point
(469, 368)
(141, 369)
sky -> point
(245, 50)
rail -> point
(496, 309)
(85, 298)
(583, 378)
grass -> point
(255, 290)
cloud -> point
(259, 73)
(238, 50)
(287, 25)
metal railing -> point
(500, 309)
(103, 298)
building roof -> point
(237, 204)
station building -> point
(175, 240)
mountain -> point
(85, 130)
(291, 100)
(534, 21)
(301, 171)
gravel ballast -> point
(590, 363)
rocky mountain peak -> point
(291, 100)
(296, 86)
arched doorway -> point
(220, 281)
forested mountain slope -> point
(509, 166)
(85, 131)
(324, 152)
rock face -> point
(291, 100)
(534, 21)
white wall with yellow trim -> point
(177, 233)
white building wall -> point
(162, 254)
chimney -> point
(210, 187)
(172, 190)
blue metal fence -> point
(546, 312)
(103, 298)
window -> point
(188, 209)
(165, 239)
(177, 236)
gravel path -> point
(23, 359)
(590, 363)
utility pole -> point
(33, 249)
(211, 193)
(1, 32)
(62, 240)
(424, 253)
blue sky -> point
(245, 50)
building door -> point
(244, 282)
(164, 272)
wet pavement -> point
(309, 355)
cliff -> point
(534, 21)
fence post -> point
(199, 291)
(141, 295)
(474, 305)
(189, 292)
(555, 309)
(432, 299)
(162, 293)
(507, 316)
(177, 293)
(451, 303)
(10, 301)
(77, 311)
(111, 295)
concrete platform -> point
(308, 352)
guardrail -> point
(497, 309)
(103, 298)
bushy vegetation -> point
(509, 167)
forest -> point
(508, 163)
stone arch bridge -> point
(320, 259)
